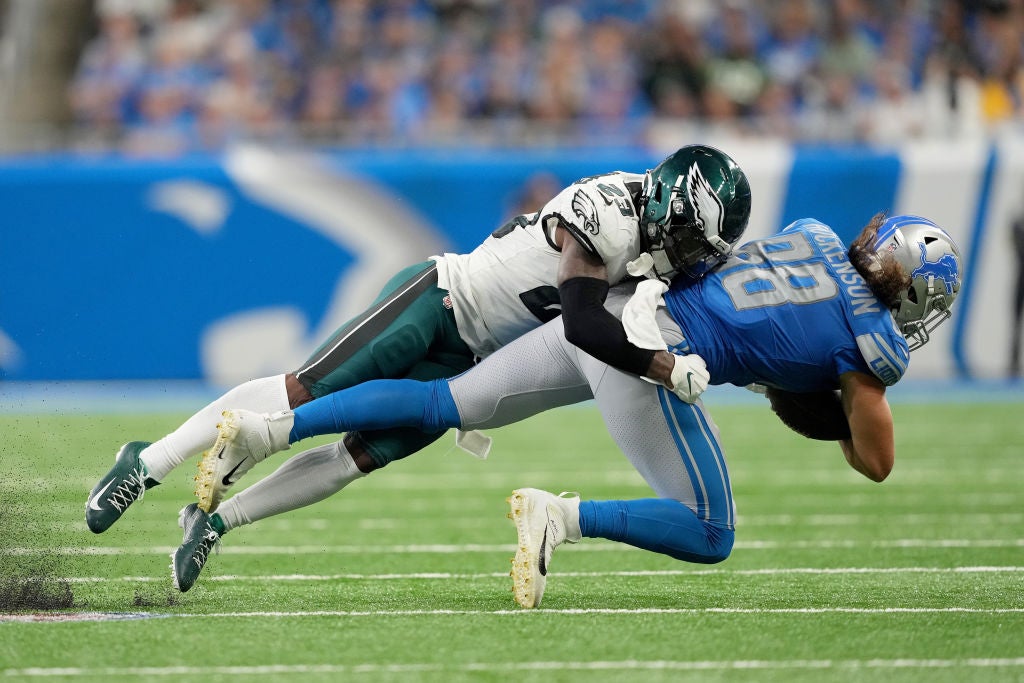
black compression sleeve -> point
(590, 326)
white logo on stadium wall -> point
(11, 355)
(200, 206)
(353, 213)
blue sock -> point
(380, 404)
(658, 524)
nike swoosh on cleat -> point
(227, 481)
(94, 501)
(543, 546)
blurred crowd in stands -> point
(165, 76)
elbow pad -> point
(590, 326)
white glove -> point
(690, 377)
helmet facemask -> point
(924, 306)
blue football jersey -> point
(789, 311)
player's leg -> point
(247, 438)
(675, 447)
(372, 449)
(384, 341)
(532, 374)
(306, 478)
(407, 320)
(409, 323)
(317, 473)
(522, 379)
(140, 465)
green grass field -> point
(403, 576)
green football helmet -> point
(694, 208)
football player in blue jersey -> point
(796, 312)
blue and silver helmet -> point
(931, 259)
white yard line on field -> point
(498, 667)
(852, 519)
(613, 611)
(595, 546)
(66, 616)
(442, 576)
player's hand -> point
(690, 377)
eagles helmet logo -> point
(707, 207)
(584, 207)
(944, 270)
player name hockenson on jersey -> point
(860, 295)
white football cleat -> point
(543, 522)
(244, 438)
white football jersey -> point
(508, 285)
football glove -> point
(690, 377)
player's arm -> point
(582, 288)
(871, 449)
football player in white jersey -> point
(434, 319)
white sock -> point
(198, 433)
(302, 480)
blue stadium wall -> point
(233, 266)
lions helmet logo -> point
(945, 270)
(584, 207)
(707, 207)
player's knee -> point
(717, 545)
(720, 545)
(298, 394)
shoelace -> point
(128, 491)
(210, 540)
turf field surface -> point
(404, 575)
